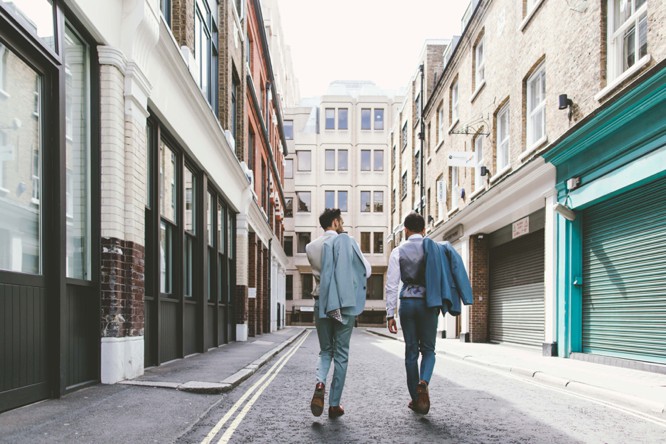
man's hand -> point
(392, 326)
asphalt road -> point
(469, 404)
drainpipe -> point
(422, 138)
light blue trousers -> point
(333, 346)
(419, 328)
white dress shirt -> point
(393, 278)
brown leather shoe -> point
(422, 404)
(317, 403)
(335, 412)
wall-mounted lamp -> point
(564, 211)
(564, 103)
(462, 193)
(485, 171)
(431, 220)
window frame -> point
(503, 146)
(305, 153)
(536, 80)
(329, 119)
(616, 38)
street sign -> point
(459, 159)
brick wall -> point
(182, 22)
(479, 275)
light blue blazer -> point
(343, 277)
(447, 283)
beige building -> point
(338, 158)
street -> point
(468, 404)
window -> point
(394, 200)
(379, 160)
(365, 160)
(330, 118)
(627, 35)
(239, 8)
(536, 106)
(365, 201)
(288, 207)
(378, 202)
(403, 186)
(454, 103)
(502, 138)
(479, 65)
(190, 232)
(375, 287)
(365, 119)
(342, 118)
(329, 163)
(379, 119)
(303, 201)
(343, 160)
(289, 287)
(303, 240)
(289, 129)
(3, 70)
(306, 285)
(378, 242)
(288, 168)
(394, 156)
(365, 242)
(440, 123)
(478, 162)
(441, 197)
(289, 245)
(342, 201)
(403, 135)
(455, 195)
(250, 151)
(329, 199)
(304, 160)
(205, 50)
(235, 88)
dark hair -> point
(328, 216)
(414, 222)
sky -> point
(378, 40)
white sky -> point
(378, 40)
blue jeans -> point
(334, 340)
(419, 328)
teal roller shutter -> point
(624, 280)
(517, 291)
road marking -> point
(270, 375)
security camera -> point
(564, 211)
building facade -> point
(130, 224)
(338, 158)
(535, 149)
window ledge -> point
(452, 212)
(429, 160)
(477, 192)
(500, 173)
(477, 90)
(34, 201)
(4, 94)
(3, 192)
(622, 77)
(453, 125)
(529, 16)
(533, 148)
(439, 145)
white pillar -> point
(550, 235)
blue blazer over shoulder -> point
(447, 283)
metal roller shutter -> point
(517, 291)
(624, 278)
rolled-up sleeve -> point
(392, 282)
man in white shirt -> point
(418, 321)
(334, 333)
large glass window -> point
(375, 287)
(304, 160)
(77, 135)
(378, 242)
(440, 123)
(378, 202)
(454, 102)
(288, 207)
(627, 29)
(20, 168)
(379, 119)
(378, 164)
(502, 138)
(190, 231)
(329, 163)
(289, 287)
(365, 242)
(289, 245)
(343, 160)
(365, 160)
(306, 285)
(480, 70)
(205, 50)
(455, 194)
(330, 118)
(329, 199)
(289, 169)
(37, 16)
(365, 201)
(342, 201)
(478, 162)
(303, 240)
(366, 119)
(168, 211)
(342, 118)
(536, 106)
(289, 129)
(304, 201)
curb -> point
(581, 388)
(229, 383)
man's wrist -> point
(389, 318)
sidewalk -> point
(159, 406)
(642, 390)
